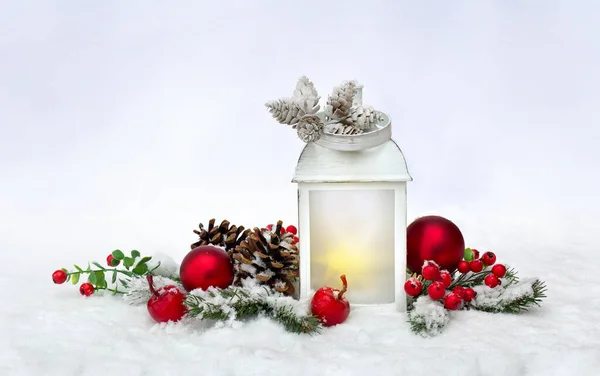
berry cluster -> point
(456, 291)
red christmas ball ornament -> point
(206, 266)
(452, 301)
(430, 271)
(463, 266)
(111, 261)
(460, 291)
(499, 270)
(445, 278)
(434, 238)
(413, 286)
(436, 290)
(166, 303)
(59, 277)
(292, 230)
(488, 258)
(476, 266)
(86, 289)
(491, 280)
(469, 294)
(330, 305)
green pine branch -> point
(242, 306)
(519, 304)
(475, 279)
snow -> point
(52, 330)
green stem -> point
(109, 289)
(127, 273)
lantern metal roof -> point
(383, 163)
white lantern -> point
(351, 180)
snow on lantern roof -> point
(383, 163)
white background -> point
(125, 123)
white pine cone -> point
(338, 128)
(310, 128)
(339, 102)
(286, 110)
(362, 117)
(307, 96)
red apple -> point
(166, 303)
(330, 305)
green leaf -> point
(140, 269)
(145, 259)
(123, 282)
(89, 268)
(118, 255)
(78, 268)
(135, 254)
(128, 262)
(92, 278)
(75, 278)
(114, 277)
(98, 265)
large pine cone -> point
(270, 257)
(362, 117)
(340, 101)
(225, 235)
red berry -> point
(282, 230)
(469, 294)
(491, 280)
(460, 291)
(86, 289)
(270, 227)
(499, 270)
(463, 266)
(445, 278)
(430, 271)
(59, 276)
(476, 266)
(488, 258)
(475, 253)
(292, 229)
(295, 240)
(413, 286)
(452, 301)
(436, 290)
(111, 261)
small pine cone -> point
(269, 257)
(224, 235)
(310, 128)
(307, 96)
(340, 101)
(338, 128)
(362, 117)
(286, 110)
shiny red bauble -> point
(166, 303)
(59, 276)
(452, 301)
(463, 266)
(413, 286)
(499, 270)
(436, 290)
(434, 238)
(206, 266)
(488, 258)
(330, 305)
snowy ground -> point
(51, 330)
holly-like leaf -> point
(145, 259)
(135, 254)
(118, 255)
(114, 277)
(78, 268)
(75, 278)
(92, 278)
(98, 265)
(140, 269)
(128, 262)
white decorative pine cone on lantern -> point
(362, 117)
(340, 101)
(305, 101)
(310, 128)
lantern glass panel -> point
(352, 233)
